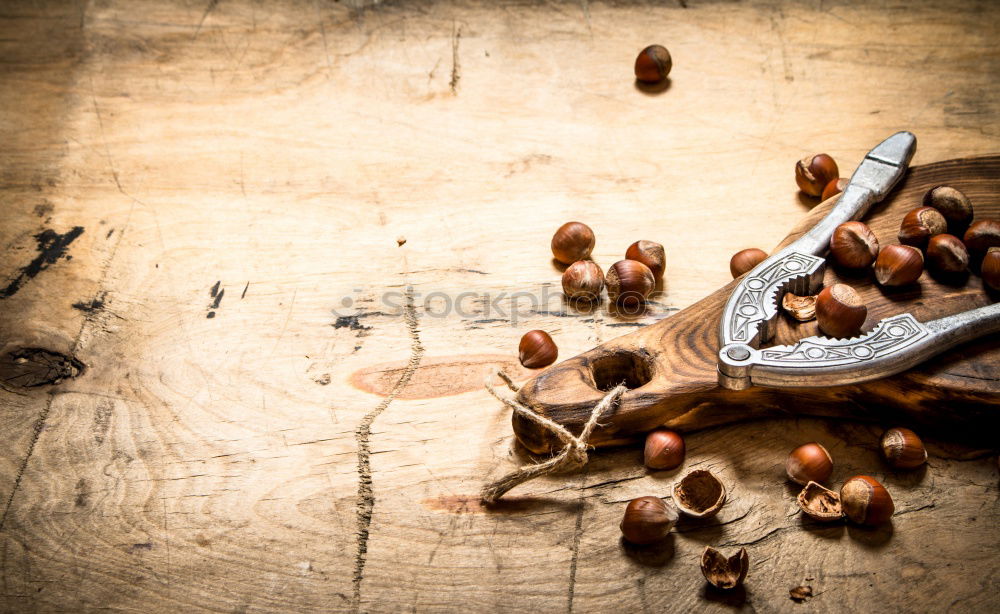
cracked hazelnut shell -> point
(583, 281)
(699, 494)
(813, 173)
(865, 501)
(724, 572)
(664, 449)
(840, 312)
(809, 462)
(853, 245)
(648, 520)
(898, 265)
(650, 253)
(573, 241)
(929, 217)
(629, 282)
(952, 204)
(802, 308)
(947, 254)
(745, 260)
(820, 503)
(537, 349)
(903, 449)
(836, 186)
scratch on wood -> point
(37, 431)
(366, 495)
(208, 9)
(456, 35)
(577, 532)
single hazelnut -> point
(802, 308)
(836, 186)
(723, 572)
(854, 245)
(915, 235)
(820, 503)
(990, 269)
(929, 217)
(840, 311)
(898, 265)
(745, 260)
(903, 449)
(953, 205)
(653, 64)
(865, 501)
(664, 449)
(650, 254)
(699, 494)
(583, 281)
(982, 235)
(573, 241)
(629, 282)
(809, 462)
(947, 254)
(537, 349)
(648, 520)
(813, 173)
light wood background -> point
(257, 162)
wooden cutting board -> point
(670, 366)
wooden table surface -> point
(202, 205)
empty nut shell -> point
(929, 217)
(802, 308)
(952, 204)
(723, 572)
(840, 311)
(898, 265)
(650, 253)
(745, 260)
(813, 173)
(865, 501)
(836, 186)
(699, 494)
(573, 241)
(537, 349)
(982, 235)
(809, 462)
(629, 283)
(915, 235)
(903, 449)
(583, 281)
(664, 449)
(648, 520)
(653, 64)
(820, 503)
(947, 254)
(990, 269)
(854, 245)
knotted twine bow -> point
(573, 454)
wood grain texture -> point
(257, 161)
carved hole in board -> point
(634, 370)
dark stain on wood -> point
(31, 367)
(216, 293)
(51, 247)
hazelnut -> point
(722, 572)
(583, 281)
(952, 204)
(820, 503)
(664, 449)
(915, 235)
(865, 501)
(809, 462)
(700, 494)
(836, 186)
(898, 265)
(929, 217)
(840, 311)
(982, 235)
(990, 269)
(648, 520)
(653, 64)
(537, 349)
(802, 308)
(573, 241)
(903, 449)
(854, 245)
(744, 261)
(947, 254)
(813, 173)
(629, 282)
(650, 254)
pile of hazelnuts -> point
(928, 235)
(629, 283)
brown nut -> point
(929, 217)
(653, 64)
(865, 501)
(745, 260)
(854, 245)
(952, 204)
(809, 462)
(664, 449)
(723, 572)
(583, 281)
(537, 349)
(903, 449)
(699, 494)
(915, 235)
(813, 173)
(572, 241)
(898, 265)
(802, 308)
(836, 186)
(629, 283)
(648, 520)
(840, 311)
(990, 269)
(650, 254)
(820, 503)
(982, 235)
(947, 254)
